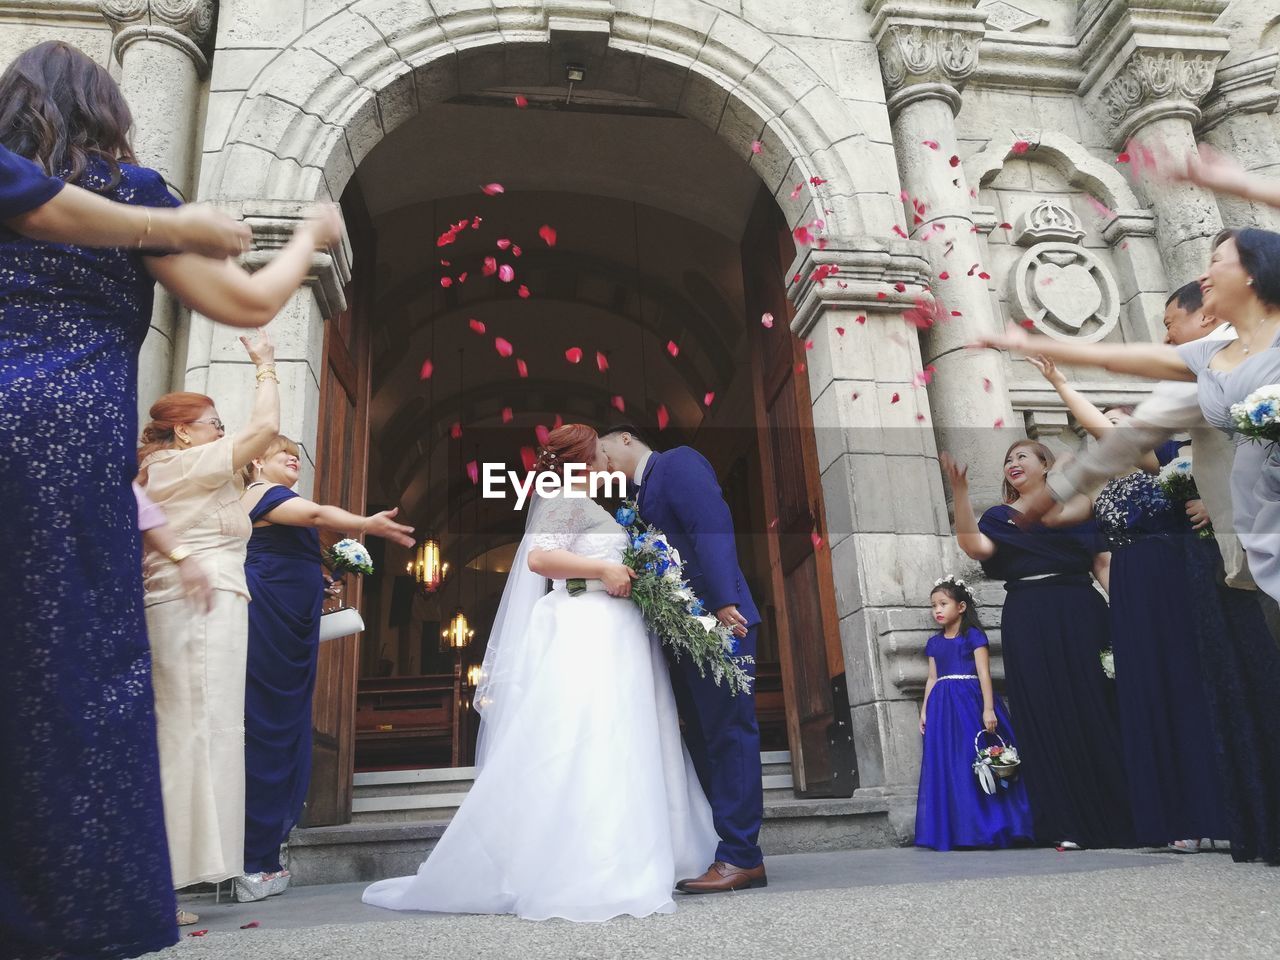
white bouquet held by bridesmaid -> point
(350, 556)
(1178, 482)
(671, 609)
(1258, 416)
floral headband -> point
(950, 580)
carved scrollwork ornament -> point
(1150, 77)
(184, 24)
(915, 53)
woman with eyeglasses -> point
(189, 466)
(287, 585)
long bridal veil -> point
(507, 668)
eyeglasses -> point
(215, 423)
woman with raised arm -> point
(1053, 627)
(1242, 287)
(1159, 679)
(286, 585)
(86, 869)
(190, 468)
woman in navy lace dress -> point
(85, 871)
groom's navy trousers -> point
(679, 494)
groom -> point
(678, 493)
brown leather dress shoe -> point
(721, 877)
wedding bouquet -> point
(671, 609)
(350, 556)
(1179, 485)
(1258, 417)
(1108, 659)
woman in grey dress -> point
(1241, 664)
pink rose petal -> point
(548, 235)
(573, 354)
(493, 189)
(503, 346)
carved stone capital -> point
(1146, 60)
(861, 273)
(273, 223)
(927, 50)
(1245, 87)
(186, 25)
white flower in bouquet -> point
(350, 556)
(1108, 659)
(1177, 480)
(1258, 416)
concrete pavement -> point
(884, 904)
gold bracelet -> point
(146, 233)
(267, 371)
(178, 554)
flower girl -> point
(952, 808)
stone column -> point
(297, 332)
(1145, 80)
(874, 434)
(159, 47)
(1237, 120)
(927, 52)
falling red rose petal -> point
(493, 189)
(462, 277)
(817, 181)
(840, 331)
(756, 146)
(523, 291)
(1030, 325)
(954, 161)
(619, 404)
(1021, 146)
(931, 144)
(473, 471)
(983, 275)
(507, 415)
(503, 244)
(602, 361)
(250, 925)
(505, 273)
(455, 431)
(197, 933)
(548, 234)
(766, 320)
(476, 325)
(860, 318)
(707, 398)
(446, 282)
(895, 399)
(999, 423)
(773, 523)
(1122, 158)
(503, 346)
(664, 418)
(559, 422)
(522, 368)
(816, 540)
(521, 101)
(427, 368)
(944, 275)
(795, 191)
(475, 223)
(489, 267)
(672, 348)
(573, 354)
(543, 433)
(900, 287)
(515, 250)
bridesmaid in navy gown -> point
(85, 871)
(1164, 711)
(951, 810)
(1053, 627)
(286, 586)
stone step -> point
(366, 851)
(397, 796)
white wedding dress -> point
(586, 805)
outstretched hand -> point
(1206, 167)
(1014, 339)
(261, 350)
(383, 525)
(957, 473)
(1048, 369)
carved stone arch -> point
(1080, 168)
(316, 110)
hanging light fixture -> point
(458, 634)
(428, 568)
(474, 674)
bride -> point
(586, 805)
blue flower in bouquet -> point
(650, 566)
(350, 556)
(1263, 412)
(625, 516)
(697, 609)
(660, 546)
(663, 566)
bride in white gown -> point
(586, 805)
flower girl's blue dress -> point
(951, 808)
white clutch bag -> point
(340, 623)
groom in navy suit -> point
(679, 494)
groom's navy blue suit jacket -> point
(679, 494)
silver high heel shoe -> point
(252, 888)
(279, 883)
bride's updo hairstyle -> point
(572, 443)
